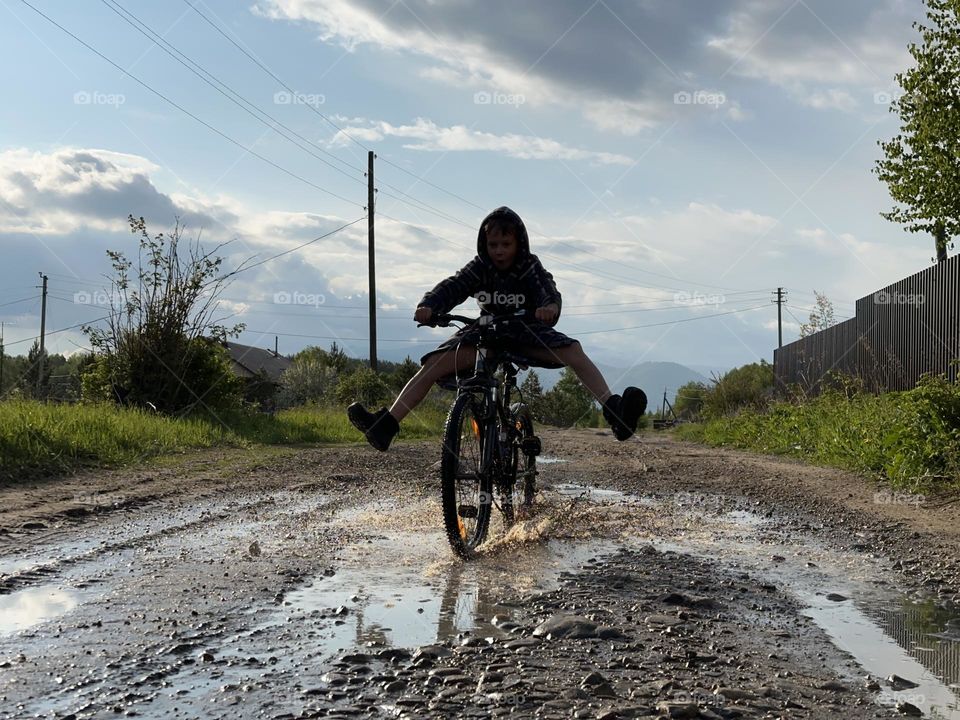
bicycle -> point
(485, 438)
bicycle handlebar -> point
(444, 319)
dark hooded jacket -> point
(526, 284)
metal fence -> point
(899, 333)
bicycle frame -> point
(496, 405)
(496, 393)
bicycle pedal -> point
(531, 446)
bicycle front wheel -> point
(464, 485)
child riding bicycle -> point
(504, 277)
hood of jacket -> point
(523, 240)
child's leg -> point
(435, 368)
(576, 359)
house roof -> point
(249, 360)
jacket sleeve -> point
(454, 290)
(545, 287)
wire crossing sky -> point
(674, 162)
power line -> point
(157, 39)
(675, 306)
(268, 71)
(277, 166)
(433, 185)
(298, 247)
(14, 302)
(340, 338)
(54, 332)
(671, 322)
(339, 129)
(182, 109)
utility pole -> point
(43, 330)
(1, 359)
(781, 299)
(370, 260)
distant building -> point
(248, 362)
(261, 369)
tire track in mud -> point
(283, 611)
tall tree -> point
(921, 166)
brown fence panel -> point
(900, 332)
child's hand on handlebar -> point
(548, 313)
(422, 314)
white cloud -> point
(597, 61)
(429, 136)
(817, 50)
(830, 99)
(71, 188)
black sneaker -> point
(623, 413)
(379, 428)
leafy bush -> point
(365, 386)
(750, 386)
(690, 400)
(307, 380)
(160, 347)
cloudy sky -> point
(674, 161)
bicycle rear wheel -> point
(523, 466)
(465, 487)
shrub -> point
(307, 380)
(365, 386)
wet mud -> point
(318, 583)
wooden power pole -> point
(781, 298)
(370, 262)
(43, 330)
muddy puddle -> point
(849, 595)
(23, 609)
(400, 586)
(405, 589)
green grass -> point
(912, 438)
(38, 438)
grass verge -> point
(910, 438)
(38, 438)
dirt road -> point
(657, 579)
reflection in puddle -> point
(549, 460)
(888, 649)
(22, 609)
(411, 603)
(408, 591)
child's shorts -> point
(533, 333)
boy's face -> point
(501, 248)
